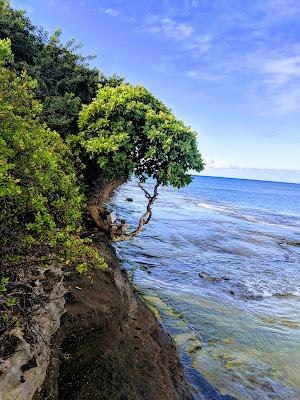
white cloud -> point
(122, 16)
(181, 32)
(225, 169)
(209, 163)
(281, 70)
(169, 27)
(275, 81)
(203, 76)
(265, 174)
(277, 10)
(200, 44)
(111, 12)
(287, 102)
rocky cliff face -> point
(24, 362)
(108, 346)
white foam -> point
(213, 207)
(246, 217)
(255, 292)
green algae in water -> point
(228, 340)
(189, 342)
(158, 303)
(153, 308)
(236, 360)
(232, 363)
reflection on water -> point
(241, 333)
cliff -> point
(98, 341)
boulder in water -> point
(205, 275)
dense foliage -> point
(41, 200)
(65, 81)
(126, 130)
(38, 186)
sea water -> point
(238, 326)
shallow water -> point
(249, 324)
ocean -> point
(237, 325)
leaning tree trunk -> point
(100, 196)
(145, 218)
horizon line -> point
(245, 179)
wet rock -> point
(205, 275)
(291, 243)
(228, 340)
(194, 346)
(212, 342)
(191, 342)
(232, 363)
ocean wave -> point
(214, 207)
(270, 219)
(248, 292)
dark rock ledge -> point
(102, 342)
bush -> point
(38, 186)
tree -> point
(65, 80)
(126, 131)
(25, 43)
(39, 191)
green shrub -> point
(38, 185)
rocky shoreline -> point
(108, 345)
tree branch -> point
(145, 218)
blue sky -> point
(228, 68)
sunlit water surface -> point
(249, 324)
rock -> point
(191, 342)
(228, 340)
(232, 363)
(129, 199)
(205, 275)
(194, 346)
(23, 370)
(212, 342)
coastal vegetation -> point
(69, 136)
